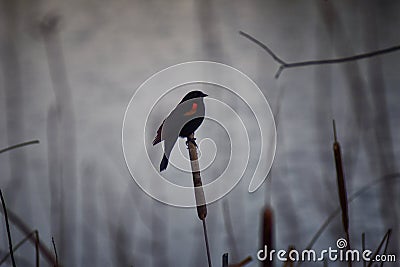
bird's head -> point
(193, 94)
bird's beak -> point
(204, 95)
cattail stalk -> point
(341, 187)
(198, 190)
(198, 185)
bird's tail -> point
(164, 163)
(157, 139)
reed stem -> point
(55, 251)
(8, 229)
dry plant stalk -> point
(8, 229)
(55, 251)
(385, 240)
(392, 177)
(198, 190)
(341, 187)
(286, 65)
(34, 234)
(34, 238)
(37, 247)
(19, 145)
(389, 232)
(267, 233)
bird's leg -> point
(192, 140)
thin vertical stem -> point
(386, 245)
(385, 238)
(334, 130)
(207, 245)
(18, 245)
(36, 233)
(55, 250)
(8, 229)
(21, 226)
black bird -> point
(182, 121)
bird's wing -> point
(157, 139)
(172, 126)
(177, 118)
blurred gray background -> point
(68, 85)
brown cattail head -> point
(267, 233)
(225, 260)
(341, 182)
(198, 186)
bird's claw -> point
(191, 140)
